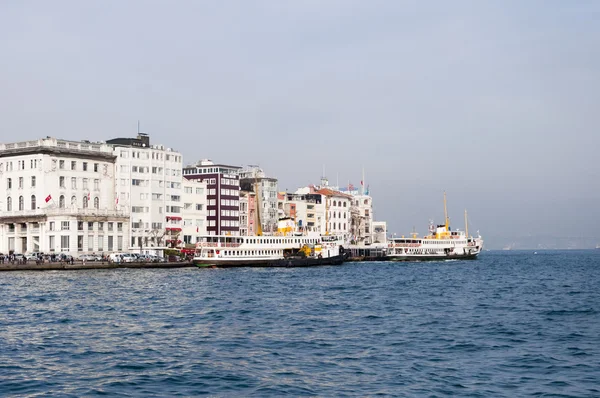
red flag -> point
(89, 196)
(197, 229)
(361, 183)
(117, 200)
(48, 198)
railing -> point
(405, 245)
(217, 244)
(65, 211)
(53, 142)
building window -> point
(96, 203)
(90, 226)
(51, 226)
(119, 227)
(20, 182)
(64, 225)
(8, 183)
(51, 243)
(61, 164)
(73, 201)
(73, 165)
(9, 204)
(85, 202)
(84, 166)
(100, 243)
(80, 243)
(110, 243)
(61, 182)
(110, 228)
(85, 183)
(96, 185)
(64, 243)
(61, 202)
(33, 182)
(73, 183)
(21, 203)
(80, 225)
(96, 167)
(33, 202)
(119, 243)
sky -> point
(495, 102)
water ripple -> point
(505, 325)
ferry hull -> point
(471, 256)
(283, 262)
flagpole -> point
(362, 183)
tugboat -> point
(440, 244)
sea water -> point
(507, 324)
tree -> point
(156, 236)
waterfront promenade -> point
(78, 265)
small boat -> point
(269, 251)
(440, 244)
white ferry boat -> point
(269, 251)
(441, 244)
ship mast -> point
(466, 225)
(446, 213)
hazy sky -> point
(496, 102)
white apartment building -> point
(148, 181)
(59, 196)
(306, 209)
(194, 210)
(379, 232)
(337, 212)
(362, 219)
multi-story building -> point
(307, 209)
(247, 213)
(223, 195)
(379, 232)
(59, 196)
(253, 178)
(337, 212)
(361, 214)
(148, 181)
(194, 210)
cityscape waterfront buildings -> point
(125, 194)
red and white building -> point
(222, 195)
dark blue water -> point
(508, 324)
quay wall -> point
(31, 266)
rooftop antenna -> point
(138, 131)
